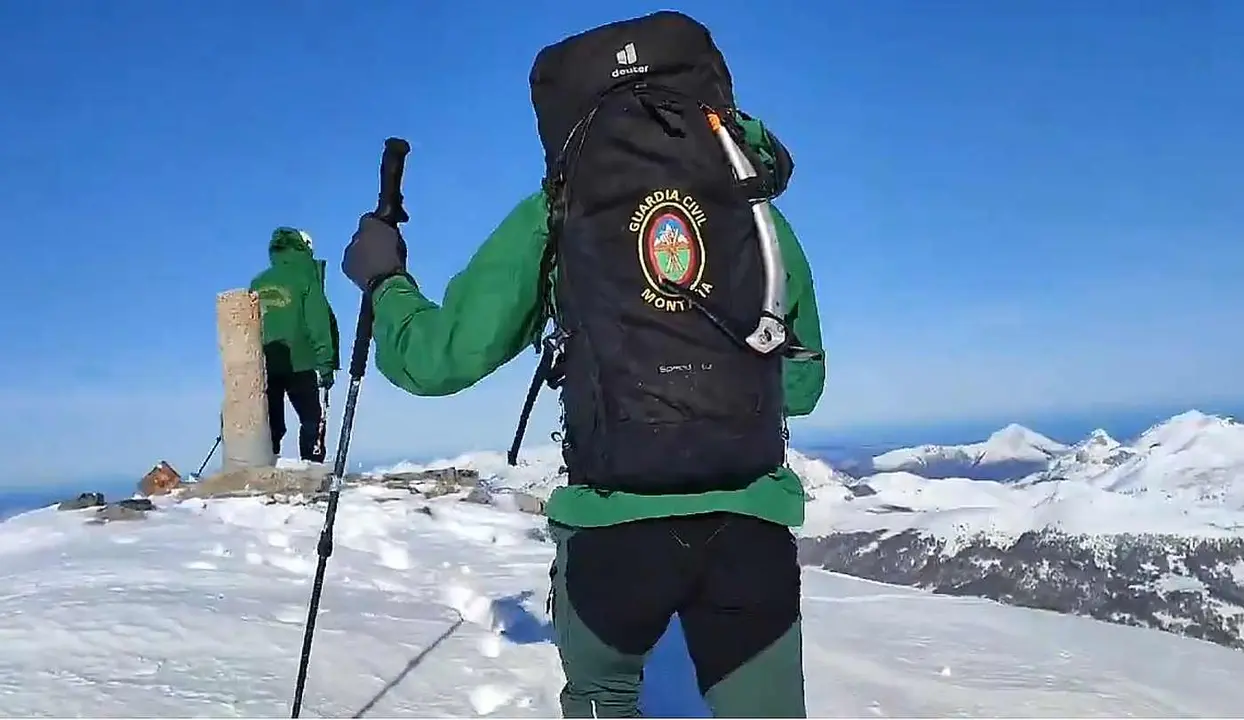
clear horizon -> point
(1013, 211)
(1122, 425)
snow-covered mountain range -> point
(1012, 452)
(1150, 532)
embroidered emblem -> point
(667, 225)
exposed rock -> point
(429, 483)
(538, 534)
(142, 504)
(383, 500)
(1187, 586)
(861, 490)
(520, 501)
(528, 503)
(249, 482)
(82, 502)
(116, 512)
(478, 495)
(162, 480)
(437, 490)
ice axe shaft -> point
(389, 210)
(219, 436)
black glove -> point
(376, 252)
(325, 379)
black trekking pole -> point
(389, 210)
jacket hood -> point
(291, 241)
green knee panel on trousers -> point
(600, 681)
(770, 685)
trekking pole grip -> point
(390, 211)
(389, 205)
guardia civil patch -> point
(667, 225)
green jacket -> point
(299, 328)
(492, 311)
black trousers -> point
(734, 581)
(303, 391)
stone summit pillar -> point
(246, 440)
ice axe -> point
(389, 210)
(194, 477)
(321, 430)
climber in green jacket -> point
(678, 498)
(300, 340)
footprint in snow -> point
(473, 607)
(278, 540)
(291, 615)
(490, 645)
(487, 699)
(393, 556)
(217, 550)
(199, 565)
(295, 564)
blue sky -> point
(1012, 209)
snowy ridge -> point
(1095, 487)
(1010, 452)
(436, 608)
(1191, 458)
(1085, 460)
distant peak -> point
(1016, 435)
(1184, 428)
(1099, 437)
(1192, 419)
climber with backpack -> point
(684, 334)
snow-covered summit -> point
(1192, 457)
(1087, 459)
(1007, 454)
(1191, 427)
(1016, 442)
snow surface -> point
(198, 611)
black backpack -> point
(656, 267)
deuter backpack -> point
(667, 285)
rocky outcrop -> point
(249, 482)
(1187, 586)
(82, 502)
(162, 480)
(122, 510)
(506, 500)
(308, 485)
(428, 483)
